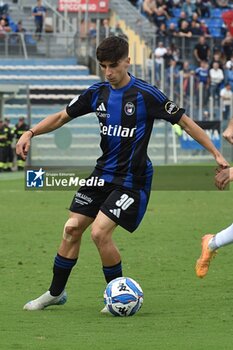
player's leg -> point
(101, 234)
(210, 244)
(64, 261)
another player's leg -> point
(210, 244)
(64, 261)
(102, 230)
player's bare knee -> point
(98, 235)
(72, 232)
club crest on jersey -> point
(129, 108)
(171, 107)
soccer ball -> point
(123, 296)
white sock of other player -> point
(222, 238)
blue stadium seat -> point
(215, 32)
(216, 13)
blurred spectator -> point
(226, 96)
(20, 28)
(189, 8)
(186, 71)
(202, 77)
(149, 9)
(160, 16)
(227, 46)
(216, 80)
(159, 53)
(203, 8)
(19, 129)
(229, 77)
(201, 50)
(4, 28)
(181, 19)
(39, 13)
(217, 57)
(105, 29)
(9, 150)
(172, 32)
(118, 30)
(168, 57)
(196, 29)
(223, 4)
(184, 30)
(229, 63)
(205, 29)
(4, 8)
(161, 33)
(3, 146)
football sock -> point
(112, 272)
(61, 270)
(222, 238)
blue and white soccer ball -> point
(123, 296)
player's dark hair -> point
(112, 49)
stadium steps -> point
(132, 17)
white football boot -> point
(105, 310)
(45, 300)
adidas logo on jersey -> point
(116, 212)
(101, 111)
(101, 107)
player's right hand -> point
(223, 177)
(228, 135)
(23, 145)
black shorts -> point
(126, 207)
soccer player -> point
(126, 108)
(210, 243)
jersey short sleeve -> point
(80, 105)
(169, 111)
(160, 107)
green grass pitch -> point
(179, 312)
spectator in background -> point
(160, 16)
(105, 29)
(201, 50)
(196, 29)
(205, 29)
(189, 8)
(202, 77)
(172, 32)
(217, 57)
(39, 13)
(160, 51)
(203, 8)
(229, 77)
(184, 30)
(227, 46)
(186, 71)
(216, 81)
(149, 9)
(229, 63)
(19, 129)
(4, 28)
(20, 28)
(4, 8)
(226, 96)
(181, 19)
(161, 33)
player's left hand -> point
(223, 177)
(222, 163)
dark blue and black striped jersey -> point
(126, 117)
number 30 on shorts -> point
(124, 202)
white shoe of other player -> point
(104, 310)
(45, 300)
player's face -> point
(116, 72)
